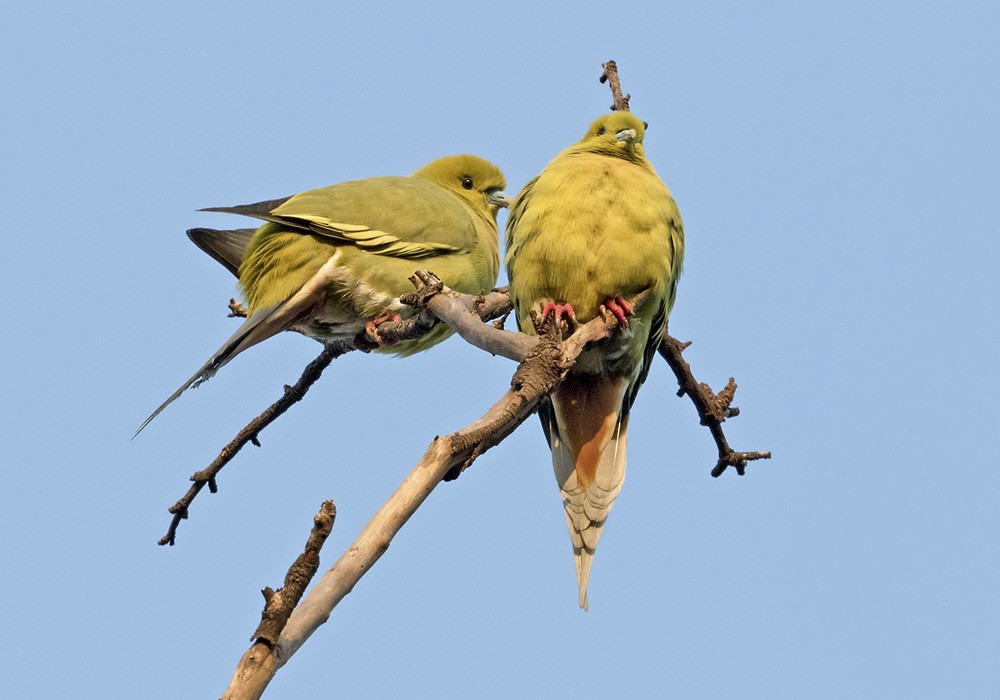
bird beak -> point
(499, 199)
(626, 135)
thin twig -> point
(610, 76)
(466, 315)
(236, 309)
(483, 308)
(249, 433)
(713, 409)
(278, 605)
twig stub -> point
(610, 76)
(236, 309)
(258, 665)
(279, 604)
(713, 409)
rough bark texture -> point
(544, 361)
(541, 368)
(475, 310)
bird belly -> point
(592, 242)
(329, 329)
(349, 302)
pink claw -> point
(371, 328)
(561, 312)
(562, 315)
(620, 307)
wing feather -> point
(386, 216)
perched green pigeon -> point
(593, 230)
(331, 263)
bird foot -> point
(371, 329)
(563, 316)
(620, 308)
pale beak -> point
(626, 135)
(499, 199)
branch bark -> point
(713, 409)
(251, 676)
(484, 307)
(610, 76)
(541, 368)
(207, 476)
(543, 360)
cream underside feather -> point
(343, 321)
(588, 458)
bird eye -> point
(467, 183)
(601, 131)
(645, 125)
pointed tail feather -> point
(259, 327)
(226, 247)
(587, 425)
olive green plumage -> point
(596, 224)
(331, 260)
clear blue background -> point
(837, 166)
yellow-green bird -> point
(332, 262)
(593, 230)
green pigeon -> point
(331, 263)
(593, 230)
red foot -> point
(562, 313)
(620, 307)
(371, 328)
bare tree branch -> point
(465, 315)
(713, 409)
(279, 604)
(542, 366)
(278, 608)
(484, 307)
(236, 309)
(544, 361)
(292, 395)
(610, 76)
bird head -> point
(618, 133)
(474, 179)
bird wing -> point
(403, 217)
(512, 243)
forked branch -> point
(543, 360)
(485, 307)
(543, 364)
(713, 409)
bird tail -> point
(258, 327)
(226, 247)
(587, 426)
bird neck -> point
(631, 155)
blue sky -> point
(837, 167)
